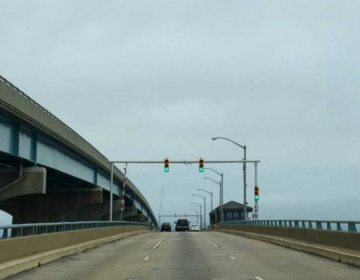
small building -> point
(233, 211)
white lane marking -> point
(157, 244)
(258, 278)
(217, 246)
(232, 257)
(146, 258)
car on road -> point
(182, 225)
(194, 227)
(165, 227)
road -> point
(191, 255)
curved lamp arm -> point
(215, 138)
(207, 178)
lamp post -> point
(200, 209)
(197, 215)
(204, 198)
(221, 198)
(219, 183)
(211, 196)
(244, 170)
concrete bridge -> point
(245, 250)
(49, 173)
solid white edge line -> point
(146, 258)
(232, 257)
(258, 278)
(157, 244)
(217, 246)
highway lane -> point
(191, 255)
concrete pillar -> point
(15, 182)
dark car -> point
(182, 225)
(166, 227)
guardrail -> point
(45, 228)
(350, 226)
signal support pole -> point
(111, 191)
(183, 162)
(244, 172)
(256, 201)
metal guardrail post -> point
(32, 230)
(338, 226)
(318, 225)
(310, 224)
(328, 226)
(303, 225)
(296, 224)
(352, 227)
(5, 233)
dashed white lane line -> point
(217, 246)
(258, 278)
(232, 257)
(157, 244)
(146, 258)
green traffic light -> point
(257, 197)
(166, 169)
(201, 169)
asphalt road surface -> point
(191, 255)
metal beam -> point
(184, 161)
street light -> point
(221, 197)
(211, 201)
(197, 215)
(244, 170)
(204, 198)
(211, 196)
(200, 210)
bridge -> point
(256, 250)
(49, 173)
(57, 188)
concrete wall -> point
(15, 248)
(346, 240)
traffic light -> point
(166, 165)
(201, 165)
(257, 193)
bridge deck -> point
(187, 255)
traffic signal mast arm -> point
(184, 161)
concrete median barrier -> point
(23, 253)
(341, 239)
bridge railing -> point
(350, 226)
(44, 228)
(24, 95)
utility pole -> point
(244, 166)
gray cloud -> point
(147, 80)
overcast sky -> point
(145, 80)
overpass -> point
(49, 173)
